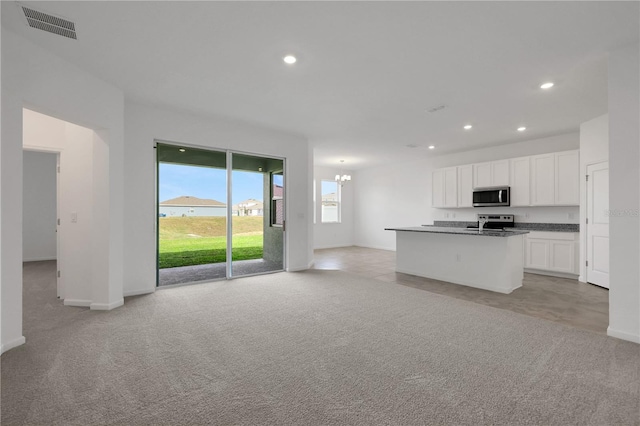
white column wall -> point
(144, 125)
(624, 196)
(32, 77)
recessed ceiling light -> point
(432, 146)
(290, 59)
(548, 85)
(468, 126)
(182, 150)
(522, 129)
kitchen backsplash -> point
(528, 226)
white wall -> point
(145, 124)
(594, 148)
(624, 193)
(326, 235)
(400, 194)
(34, 78)
(39, 206)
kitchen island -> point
(488, 259)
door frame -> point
(229, 170)
(585, 240)
(58, 154)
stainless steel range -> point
(495, 221)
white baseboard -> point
(460, 282)
(623, 335)
(39, 259)
(551, 273)
(139, 292)
(333, 246)
(12, 344)
(77, 302)
(376, 247)
(298, 268)
(107, 306)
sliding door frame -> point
(229, 216)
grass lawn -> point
(186, 241)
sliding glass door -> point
(257, 190)
(219, 214)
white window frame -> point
(338, 202)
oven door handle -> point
(500, 195)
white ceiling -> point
(367, 72)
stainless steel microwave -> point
(492, 197)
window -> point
(330, 191)
(277, 199)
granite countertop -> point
(459, 231)
(524, 226)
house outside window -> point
(277, 199)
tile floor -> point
(561, 300)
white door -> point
(59, 289)
(598, 224)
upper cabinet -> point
(539, 180)
(543, 180)
(444, 187)
(492, 173)
(567, 189)
(520, 181)
(555, 179)
(465, 186)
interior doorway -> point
(220, 214)
(598, 224)
(40, 211)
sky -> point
(205, 182)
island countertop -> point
(459, 231)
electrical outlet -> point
(74, 217)
(571, 216)
(526, 215)
(453, 215)
(458, 257)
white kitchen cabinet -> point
(482, 175)
(444, 187)
(567, 178)
(500, 173)
(555, 179)
(492, 173)
(536, 254)
(552, 252)
(437, 188)
(543, 180)
(451, 187)
(465, 186)
(520, 181)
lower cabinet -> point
(552, 251)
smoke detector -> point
(49, 23)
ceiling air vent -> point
(49, 23)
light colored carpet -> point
(318, 347)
